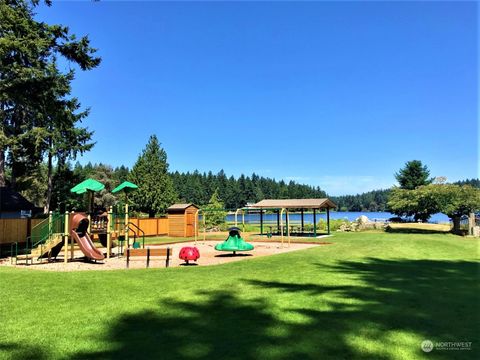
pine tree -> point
(121, 174)
(215, 211)
(64, 179)
(413, 175)
(33, 100)
(155, 191)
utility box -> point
(182, 219)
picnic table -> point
(274, 229)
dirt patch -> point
(208, 256)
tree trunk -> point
(3, 180)
(46, 209)
(2, 168)
(456, 224)
(13, 177)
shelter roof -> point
(323, 203)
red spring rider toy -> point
(188, 253)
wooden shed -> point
(181, 220)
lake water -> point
(346, 215)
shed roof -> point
(181, 206)
(296, 204)
(11, 200)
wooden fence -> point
(17, 230)
(13, 230)
(151, 226)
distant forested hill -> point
(198, 187)
(472, 182)
(375, 200)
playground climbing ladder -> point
(46, 239)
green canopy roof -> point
(126, 186)
(87, 185)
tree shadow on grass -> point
(19, 351)
(436, 300)
(440, 298)
(221, 327)
(413, 230)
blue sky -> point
(335, 94)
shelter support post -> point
(303, 223)
(288, 229)
(314, 223)
(328, 221)
(261, 222)
(278, 220)
(281, 224)
(286, 222)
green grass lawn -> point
(367, 296)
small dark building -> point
(14, 206)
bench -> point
(148, 252)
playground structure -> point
(234, 242)
(59, 231)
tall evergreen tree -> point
(403, 200)
(155, 187)
(413, 175)
(214, 212)
(121, 174)
(29, 78)
(63, 138)
(64, 179)
(105, 174)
